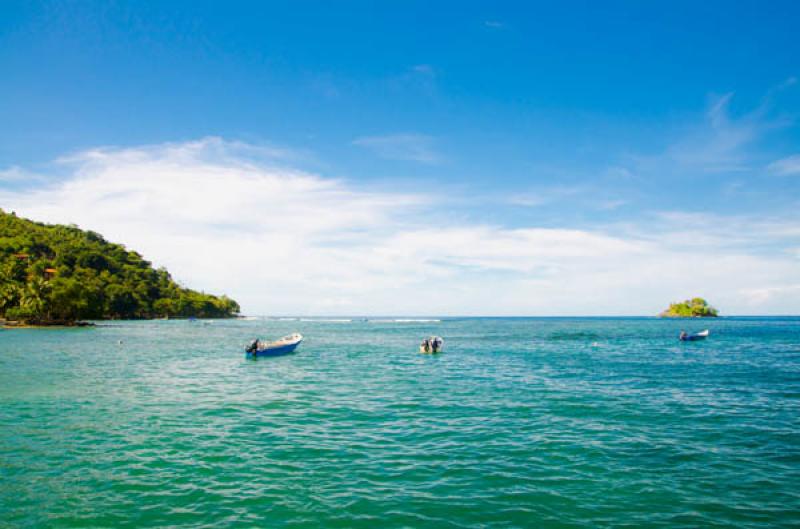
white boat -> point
(285, 345)
(702, 335)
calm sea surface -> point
(520, 423)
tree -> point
(693, 308)
(56, 273)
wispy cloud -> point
(494, 24)
(740, 233)
(610, 204)
(583, 197)
(18, 175)
(281, 240)
(766, 295)
(786, 166)
(720, 143)
(542, 196)
(412, 147)
(424, 69)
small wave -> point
(575, 335)
(327, 320)
(406, 320)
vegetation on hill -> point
(691, 308)
(54, 274)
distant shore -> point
(12, 324)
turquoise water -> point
(520, 423)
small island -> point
(691, 308)
(62, 275)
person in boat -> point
(426, 345)
(683, 335)
(436, 344)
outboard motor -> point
(253, 347)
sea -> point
(520, 422)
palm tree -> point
(32, 298)
(9, 296)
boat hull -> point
(276, 350)
(694, 337)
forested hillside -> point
(62, 274)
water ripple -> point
(520, 423)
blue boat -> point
(702, 335)
(284, 346)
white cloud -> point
(18, 175)
(786, 166)
(742, 233)
(771, 295)
(282, 241)
(11, 174)
(413, 147)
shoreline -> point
(11, 324)
(18, 325)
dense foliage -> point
(61, 274)
(691, 308)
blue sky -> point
(647, 135)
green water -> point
(520, 423)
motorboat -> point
(284, 346)
(702, 335)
